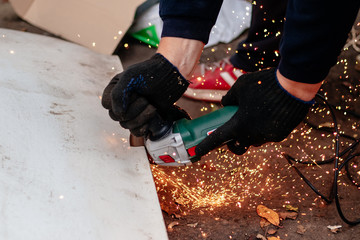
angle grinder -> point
(173, 143)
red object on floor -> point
(211, 82)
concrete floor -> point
(221, 172)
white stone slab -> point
(66, 169)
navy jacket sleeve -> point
(314, 33)
(191, 19)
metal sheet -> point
(66, 169)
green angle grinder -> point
(173, 144)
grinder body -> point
(177, 146)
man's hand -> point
(267, 113)
(136, 95)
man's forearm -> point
(182, 53)
(303, 91)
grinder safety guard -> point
(176, 147)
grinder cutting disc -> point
(136, 141)
(140, 142)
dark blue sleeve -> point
(191, 19)
(315, 31)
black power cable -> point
(337, 168)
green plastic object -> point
(194, 131)
(147, 35)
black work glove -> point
(136, 95)
(267, 113)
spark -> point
(224, 179)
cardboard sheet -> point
(98, 25)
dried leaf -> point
(269, 214)
(264, 223)
(192, 225)
(326, 125)
(172, 225)
(271, 231)
(259, 236)
(301, 229)
(335, 228)
(290, 215)
(274, 238)
(291, 208)
(169, 208)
